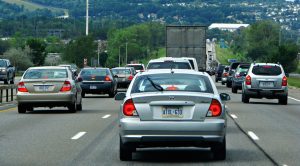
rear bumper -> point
(48, 99)
(237, 83)
(3, 76)
(100, 88)
(267, 93)
(132, 130)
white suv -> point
(265, 80)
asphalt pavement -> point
(259, 133)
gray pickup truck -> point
(7, 71)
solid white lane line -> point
(233, 116)
(106, 116)
(294, 99)
(78, 135)
(252, 135)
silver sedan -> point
(180, 108)
(48, 87)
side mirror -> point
(224, 97)
(79, 79)
(120, 96)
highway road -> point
(259, 133)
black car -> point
(231, 71)
(97, 81)
(239, 76)
(219, 72)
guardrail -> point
(7, 92)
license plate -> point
(172, 112)
(43, 88)
(93, 87)
(266, 84)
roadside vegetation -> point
(223, 54)
(293, 81)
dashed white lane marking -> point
(106, 116)
(294, 99)
(233, 116)
(284, 165)
(252, 135)
(78, 135)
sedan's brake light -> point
(130, 77)
(129, 108)
(21, 87)
(215, 108)
(107, 78)
(66, 87)
(248, 80)
(284, 81)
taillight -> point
(284, 81)
(107, 78)
(225, 74)
(248, 80)
(215, 108)
(129, 108)
(66, 86)
(21, 87)
(172, 88)
(130, 77)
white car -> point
(138, 67)
(193, 62)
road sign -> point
(232, 60)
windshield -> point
(46, 74)
(169, 65)
(172, 82)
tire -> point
(112, 94)
(12, 81)
(245, 98)
(219, 150)
(223, 83)
(72, 108)
(216, 80)
(21, 109)
(234, 89)
(125, 152)
(79, 107)
(83, 94)
(283, 100)
(5, 81)
(228, 85)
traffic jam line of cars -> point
(168, 104)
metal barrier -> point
(7, 91)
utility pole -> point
(126, 53)
(98, 52)
(87, 18)
(119, 56)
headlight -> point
(3, 70)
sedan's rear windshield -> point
(172, 82)
(136, 67)
(93, 72)
(266, 70)
(46, 74)
(120, 71)
(169, 65)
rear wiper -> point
(156, 86)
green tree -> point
(37, 47)
(19, 57)
(77, 50)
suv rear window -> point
(136, 67)
(266, 70)
(169, 65)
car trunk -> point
(172, 106)
(266, 82)
(44, 86)
(93, 78)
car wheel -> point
(219, 150)
(21, 109)
(112, 94)
(283, 100)
(83, 94)
(223, 83)
(72, 107)
(228, 84)
(216, 80)
(245, 98)
(125, 152)
(5, 81)
(12, 81)
(79, 107)
(234, 89)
